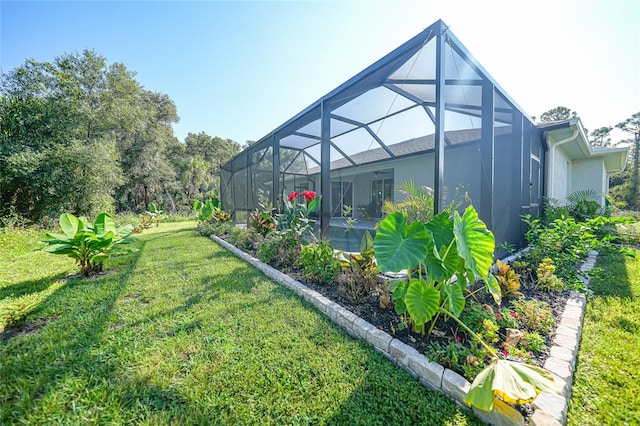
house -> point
(428, 111)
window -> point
(381, 190)
(341, 197)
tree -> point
(558, 114)
(632, 126)
(601, 136)
(77, 131)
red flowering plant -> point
(295, 217)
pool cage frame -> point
(450, 115)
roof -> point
(570, 134)
(421, 145)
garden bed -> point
(384, 319)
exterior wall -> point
(559, 177)
(588, 174)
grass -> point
(606, 386)
(182, 332)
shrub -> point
(547, 278)
(246, 239)
(280, 250)
(319, 263)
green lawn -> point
(182, 332)
(606, 389)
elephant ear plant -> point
(447, 254)
(90, 244)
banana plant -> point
(210, 209)
(448, 255)
(89, 244)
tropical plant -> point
(262, 220)
(210, 210)
(583, 205)
(90, 244)
(152, 216)
(417, 204)
(363, 261)
(508, 279)
(442, 249)
(296, 215)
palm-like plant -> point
(90, 244)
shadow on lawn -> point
(30, 286)
(47, 359)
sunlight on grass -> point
(182, 332)
(607, 380)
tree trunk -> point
(634, 177)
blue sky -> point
(240, 69)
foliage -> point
(534, 315)
(81, 135)
(441, 249)
(319, 263)
(417, 205)
(535, 342)
(280, 249)
(547, 279)
(363, 261)
(185, 317)
(220, 229)
(296, 215)
(601, 136)
(152, 216)
(558, 113)
(262, 220)
(210, 210)
(89, 244)
(508, 279)
(583, 205)
(245, 239)
(512, 382)
(567, 242)
(456, 355)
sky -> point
(240, 69)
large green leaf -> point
(104, 224)
(59, 248)
(436, 271)
(398, 246)
(494, 288)
(422, 301)
(123, 231)
(214, 202)
(366, 244)
(513, 382)
(454, 300)
(69, 224)
(197, 205)
(52, 237)
(441, 226)
(474, 241)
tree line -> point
(82, 136)
(624, 187)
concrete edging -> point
(550, 409)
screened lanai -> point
(426, 112)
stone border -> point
(550, 409)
